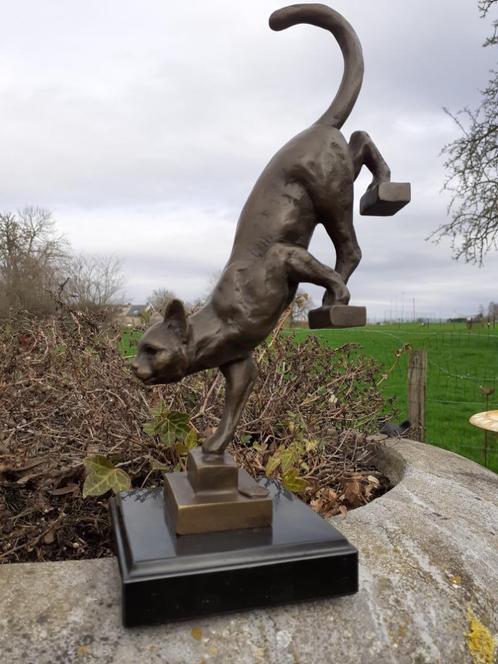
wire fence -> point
(462, 379)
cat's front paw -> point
(214, 445)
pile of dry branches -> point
(66, 394)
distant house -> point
(136, 310)
(132, 314)
(122, 310)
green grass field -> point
(459, 362)
(127, 345)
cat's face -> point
(162, 351)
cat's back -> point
(280, 206)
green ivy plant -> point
(290, 460)
(173, 429)
(103, 476)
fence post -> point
(417, 382)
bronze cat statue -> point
(308, 182)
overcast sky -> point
(143, 126)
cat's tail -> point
(325, 17)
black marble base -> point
(169, 577)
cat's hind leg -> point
(338, 222)
(383, 197)
(364, 152)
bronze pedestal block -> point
(212, 472)
(385, 199)
(214, 495)
(337, 316)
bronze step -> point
(337, 316)
(214, 495)
(385, 199)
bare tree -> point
(195, 305)
(160, 298)
(472, 167)
(484, 7)
(94, 283)
(300, 306)
(32, 259)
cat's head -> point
(162, 351)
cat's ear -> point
(177, 318)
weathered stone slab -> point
(428, 555)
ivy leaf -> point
(188, 443)
(102, 476)
(181, 449)
(157, 465)
(174, 427)
(287, 460)
(293, 482)
(272, 464)
(191, 439)
(311, 445)
(150, 428)
(157, 411)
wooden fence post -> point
(417, 382)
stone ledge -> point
(428, 554)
